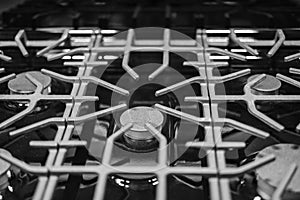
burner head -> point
(138, 137)
(4, 167)
(268, 86)
(269, 176)
(22, 85)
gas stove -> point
(204, 111)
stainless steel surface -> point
(272, 185)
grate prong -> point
(64, 37)
(245, 46)
(178, 85)
(292, 57)
(125, 66)
(106, 85)
(166, 57)
(5, 57)
(91, 79)
(91, 116)
(267, 120)
(294, 71)
(288, 80)
(231, 76)
(21, 35)
(181, 115)
(7, 78)
(281, 37)
(243, 127)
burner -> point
(22, 85)
(4, 167)
(271, 175)
(138, 137)
(269, 85)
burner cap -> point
(139, 116)
(269, 176)
(138, 136)
(21, 85)
(269, 85)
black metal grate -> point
(216, 171)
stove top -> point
(148, 113)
